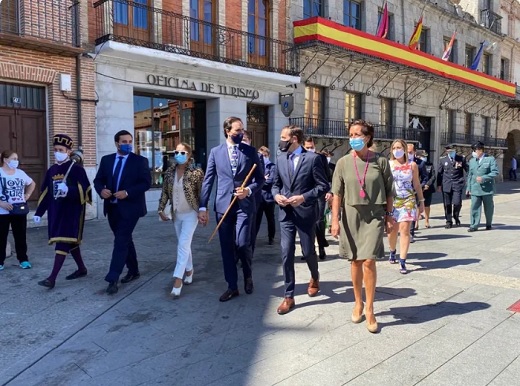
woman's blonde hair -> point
(405, 148)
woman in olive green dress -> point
(363, 193)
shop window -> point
(352, 14)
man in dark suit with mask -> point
(121, 181)
(299, 182)
(229, 164)
(451, 181)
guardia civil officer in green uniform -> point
(481, 185)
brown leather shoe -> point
(314, 288)
(286, 306)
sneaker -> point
(25, 265)
(412, 240)
(393, 257)
(1, 267)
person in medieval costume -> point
(65, 192)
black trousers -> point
(452, 205)
(320, 224)
(268, 209)
(18, 224)
(124, 248)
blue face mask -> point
(451, 154)
(125, 148)
(237, 138)
(357, 143)
(181, 159)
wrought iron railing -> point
(491, 21)
(470, 139)
(329, 128)
(137, 24)
(54, 21)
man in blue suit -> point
(301, 180)
(229, 164)
(121, 181)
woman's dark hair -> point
(121, 133)
(367, 129)
(5, 154)
(228, 123)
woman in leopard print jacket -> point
(181, 187)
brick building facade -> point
(41, 59)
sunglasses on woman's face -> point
(180, 152)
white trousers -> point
(185, 225)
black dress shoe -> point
(248, 286)
(47, 283)
(448, 225)
(322, 253)
(130, 277)
(112, 288)
(76, 275)
(488, 227)
(228, 295)
(271, 241)
(472, 230)
(457, 223)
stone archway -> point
(513, 150)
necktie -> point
(234, 159)
(117, 171)
(291, 166)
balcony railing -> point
(491, 20)
(43, 21)
(328, 128)
(137, 24)
(470, 139)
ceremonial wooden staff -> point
(232, 202)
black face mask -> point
(284, 146)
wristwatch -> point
(389, 214)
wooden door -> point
(257, 124)
(23, 131)
(132, 19)
(258, 28)
(202, 26)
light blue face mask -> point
(451, 154)
(357, 143)
(181, 159)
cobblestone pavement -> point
(446, 322)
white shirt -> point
(180, 204)
(513, 163)
(14, 187)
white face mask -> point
(474, 154)
(60, 157)
(398, 153)
(311, 150)
(410, 156)
(266, 160)
(13, 164)
(328, 160)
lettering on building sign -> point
(210, 88)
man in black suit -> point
(299, 182)
(451, 181)
(310, 146)
(230, 163)
(121, 181)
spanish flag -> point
(414, 40)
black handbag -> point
(19, 209)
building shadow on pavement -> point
(439, 264)
(428, 312)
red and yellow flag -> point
(414, 40)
